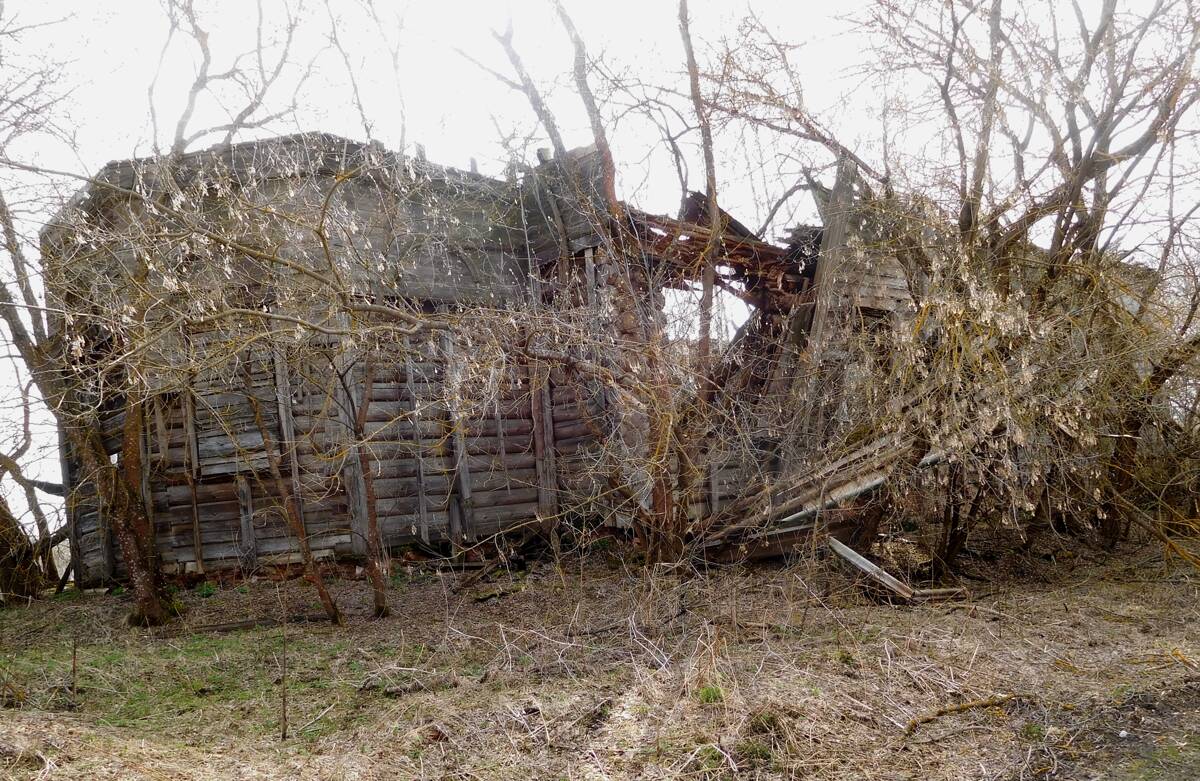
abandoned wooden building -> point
(452, 456)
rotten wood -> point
(962, 707)
(248, 545)
(836, 217)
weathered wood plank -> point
(192, 473)
(67, 466)
(106, 540)
(543, 445)
(415, 412)
(833, 246)
(146, 473)
(249, 548)
(352, 469)
(573, 430)
(462, 470)
(876, 573)
(287, 429)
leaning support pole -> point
(871, 570)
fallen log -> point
(873, 571)
(493, 564)
(262, 623)
(953, 592)
(889, 581)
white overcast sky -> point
(451, 106)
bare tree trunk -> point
(127, 514)
(45, 545)
(312, 572)
(955, 525)
(599, 135)
(375, 562)
(692, 461)
(120, 493)
(666, 542)
(1122, 482)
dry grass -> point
(598, 671)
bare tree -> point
(1063, 128)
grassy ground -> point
(596, 671)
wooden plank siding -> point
(215, 506)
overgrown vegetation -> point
(457, 692)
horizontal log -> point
(497, 462)
(181, 495)
(406, 505)
(407, 525)
(568, 431)
(503, 478)
(561, 396)
(504, 515)
(392, 488)
(391, 462)
(577, 411)
(402, 430)
(504, 496)
(567, 447)
(324, 514)
(518, 443)
(214, 512)
(317, 400)
(489, 428)
(218, 446)
(234, 465)
(208, 402)
(331, 431)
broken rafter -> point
(683, 243)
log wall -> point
(450, 461)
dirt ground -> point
(594, 670)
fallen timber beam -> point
(872, 570)
(261, 623)
(889, 581)
(679, 245)
(869, 482)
